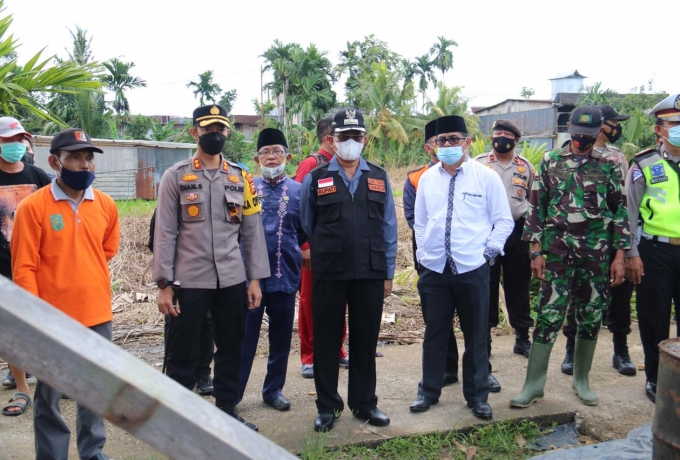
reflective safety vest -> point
(660, 205)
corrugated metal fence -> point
(127, 169)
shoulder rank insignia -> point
(197, 163)
(225, 166)
(189, 177)
(491, 157)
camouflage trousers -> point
(580, 278)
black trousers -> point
(659, 286)
(364, 300)
(442, 295)
(207, 344)
(227, 307)
(516, 266)
(452, 345)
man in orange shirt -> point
(68, 228)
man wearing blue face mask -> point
(462, 219)
(348, 212)
(279, 197)
(17, 181)
(653, 262)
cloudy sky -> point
(502, 45)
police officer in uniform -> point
(517, 175)
(348, 212)
(205, 204)
(617, 315)
(410, 190)
(653, 262)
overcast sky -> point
(502, 45)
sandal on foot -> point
(14, 403)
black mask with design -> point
(615, 133)
(212, 143)
(583, 143)
(503, 144)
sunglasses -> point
(452, 140)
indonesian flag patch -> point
(327, 182)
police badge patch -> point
(658, 173)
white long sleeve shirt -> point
(481, 216)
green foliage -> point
(478, 147)
(228, 100)
(205, 89)
(135, 208)
(118, 80)
(527, 92)
(138, 127)
(162, 133)
(532, 152)
(237, 149)
(443, 57)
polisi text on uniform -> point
(234, 188)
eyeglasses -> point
(354, 137)
(266, 153)
(453, 140)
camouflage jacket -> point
(577, 206)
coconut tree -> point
(22, 87)
(443, 57)
(312, 98)
(205, 89)
(425, 71)
(279, 60)
(451, 102)
(118, 80)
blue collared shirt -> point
(283, 232)
(308, 215)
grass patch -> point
(136, 208)
(502, 440)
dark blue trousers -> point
(280, 308)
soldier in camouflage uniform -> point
(577, 214)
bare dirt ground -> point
(138, 328)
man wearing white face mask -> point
(279, 196)
(653, 261)
(348, 212)
(462, 219)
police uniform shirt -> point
(636, 185)
(517, 176)
(198, 222)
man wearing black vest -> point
(348, 211)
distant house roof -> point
(573, 74)
(528, 101)
(246, 119)
(563, 99)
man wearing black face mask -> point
(617, 316)
(517, 174)
(207, 208)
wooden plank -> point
(109, 381)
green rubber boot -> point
(536, 374)
(583, 359)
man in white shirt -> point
(462, 219)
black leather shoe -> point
(422, 404)
(494, 385)
(230, 411)
(374, 417)
(650, 391)
(568, 363)
(522, 347)
(324, 422)
(280, 403)
(449, 379)
(481, 410)
(621, 361)
(204, 384)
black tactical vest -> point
(348, 240)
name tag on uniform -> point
(376, 185)
(559, 173)
(326, 190)
(594, 177)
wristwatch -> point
(534, 254)
(162, 284)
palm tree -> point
(22, 88)
(443, 57)
(278, 59)
(424, 70)
(205, 89)
(82, 49)
(119, 80)
(311, 98)
(451, 102)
